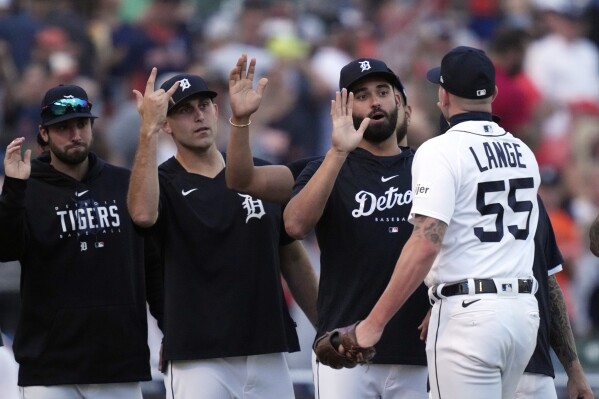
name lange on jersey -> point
(496, 154)
(87, 218)
(369, 202)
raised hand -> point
(153, 105)
(15, 165)
(345, 137)
(244, 99)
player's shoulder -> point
(117, 170)
(296, 167)
(435, 144)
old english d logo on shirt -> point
(254, 208)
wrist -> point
(337, 153)
(573, 367)
(240, 122)
(149, 129)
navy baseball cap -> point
(189, 85)
(363, 67)
(64, 102)
(466, 72)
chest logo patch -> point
(253, 207)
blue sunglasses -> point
(65, 105)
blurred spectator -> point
(484, 18)
(17, 29)
(518, 13)
(564, 66)
(8, 86)
(297, 93)
(65, 31)
(564, 63)
(235, 32)
(512, 104)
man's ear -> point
(443, 97)
(495, 94)
(43, 133)
(166, 127)
(408, 111)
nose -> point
(198, 113)
(375, 103)
(75, 133)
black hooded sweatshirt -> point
(83, 316)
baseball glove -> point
(326, 348)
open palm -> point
(244, 99)
(16, 165)
(345, 137)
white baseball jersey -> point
(482, 182)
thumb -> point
(27, 157)
(363, 125)
(261, 86)
(139, 99)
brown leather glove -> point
(327, 346)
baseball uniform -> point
(360, 234)
(221, 251)
(482, 182)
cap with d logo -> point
(363, 67)
(189, 85)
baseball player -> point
(226, 325)
(82, 330)
(357, 199)
(554, 329)
(475, 213)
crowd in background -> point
(545, 51)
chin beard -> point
(70, 159)
(381, 131)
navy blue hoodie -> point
(83, 316)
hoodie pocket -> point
(98, 333)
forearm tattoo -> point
(561, 337)
(430, 228)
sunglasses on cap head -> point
(63, 105)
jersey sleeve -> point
(305, 175)
(434, 183)
(551, 250)
(296, 167)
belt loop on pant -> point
(434, 293)
(471, 287)
(438, 292)
(432, 298)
